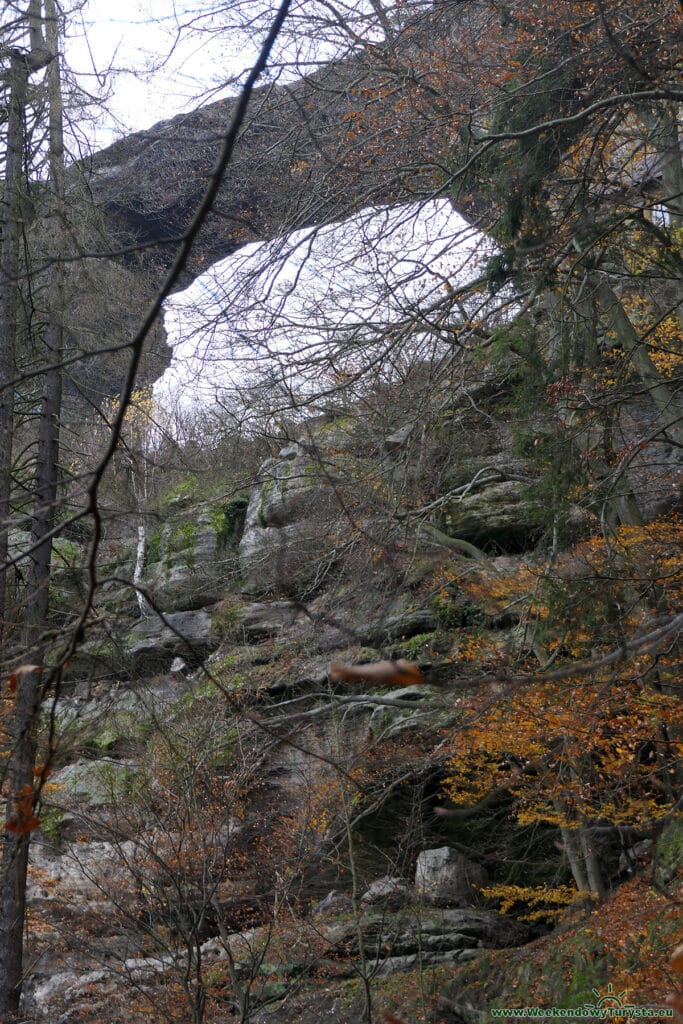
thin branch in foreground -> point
(165, 290)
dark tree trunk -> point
(9, 289)
(29, 680)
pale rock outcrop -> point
(388, 891)
(288, 537)
(431, 937)
(91, 784)
(445, 877)
(83, 870)
(192, 561)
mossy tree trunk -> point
(29, 680)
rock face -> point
(445, 878)
(285, 724)
(295, 516)
(193, 560)
(150, 183)
(289, 525)
(435, 936)
(90, 784)
(117, 719)
(263, 621)
(487, 486)
(100, 317)
(86, 869)
(153, 644)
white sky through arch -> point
(293, 309)
(159, 71)
(153, 66)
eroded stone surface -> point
(445, 877)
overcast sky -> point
(158, 67)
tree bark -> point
(9, 293)
(15, 845)
(30, 686)
(661, 393)
(47, 462)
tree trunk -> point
(16, 844)
(592, 862)
(139, 568)
(662, 395)
(47, 462)
(30, 684)
(572, 849)
(9, 289)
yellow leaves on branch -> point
(650, 555)
(579, 749)
(663, 337)
(139, 420)
(567, 752)
(503, 588)
(639, 560)
(543, 902)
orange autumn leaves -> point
(675, 1000)
(605, 745)
(22, 819)
(568, 751)
(14, 678)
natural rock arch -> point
(398, 122)
(302, 160)
(395, 122)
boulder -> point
(499, 513)
(334, 903)
(388, 891)
(154, 643)
(444, 877)
(265, 621)
(408, 623)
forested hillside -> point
(352, 691)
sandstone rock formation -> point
(445, 877)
